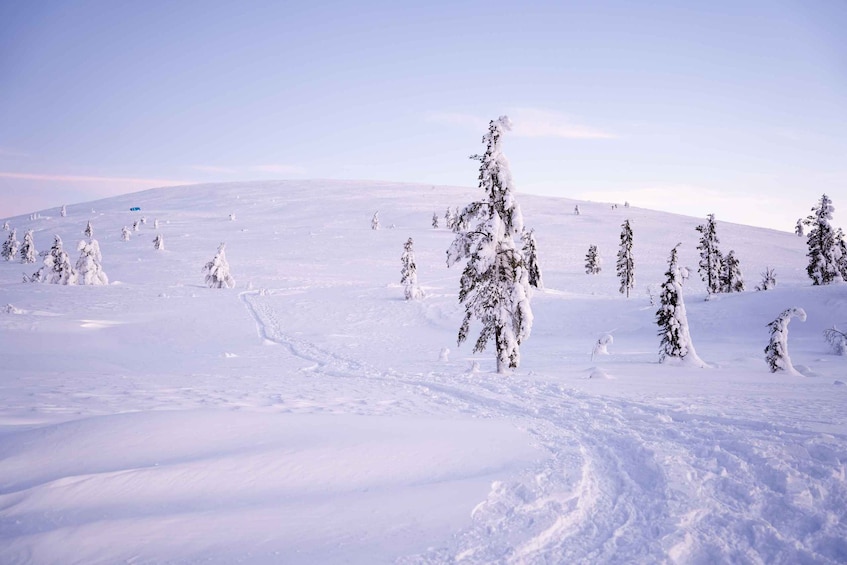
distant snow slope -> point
(308, 416)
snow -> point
(308, 416)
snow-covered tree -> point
(217, 270)
(592, 261)
(159, 242)
(842, 253)
(710, 255)
(798, 228)
(768, 279)
(530, 253)
(156, 224)
(125, 234)
(601, 346)
(57, 265)
(375, 221)
(88, 267)
(576, 210)
(28, 252)
(435, 219)
(136, 225)
(836, 339)
(89, 231)
(64, 211)
(776, 353)
(494, 286)
(626, 265)
(732, 280)
(409, 273)
(6, 226)
(824, 254)
(10, 246)
(672, 318)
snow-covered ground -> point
(309, 416)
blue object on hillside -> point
(135, 209)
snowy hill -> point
(308, 415)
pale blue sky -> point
(733, 107)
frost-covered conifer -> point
(768, 280)
(576, 210)
(144, 220)
(776, 353)
(88, 267)
(375, 221)
(156, 224)
(530, 253)
(6, 226)
(125, 234)
(409, 273)
(159, 242)
(710, 255)
(136, 225)
(626, 265)
(592, 261)
(10, 246)
(89, 231)
(732, 280)
(57, 265)
(217, 270)
(836, 339)
(28, 252)
(798, 228)
(601, 346)
(435, 220)
(824, 253)
(842, 253)
(64, 211)
(672, 319)
(494, 286)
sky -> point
(737, 108)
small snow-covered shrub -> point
(601, 346)
(28, 252)
(159, 242)
(836, 339)
(217, 270)
(375, 221)
(776, 352)
(768, 279)
(88, 267)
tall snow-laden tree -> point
(375, 221)
(626, 265)
(732, 280)
(824, 254)
(28, 252)
(435, 219)
(672, 318)
(710, 255)
(768, 279)
(798, 228)
(58, 265)
(64, 211)
(842, 253)
(125, 234)
(776, 353)
(89, 269)
(89, 231)
(530, 253)
(217, 270)
(593, 263)
(494, 286)
(409, 272)
(10, 246)
(159, 242)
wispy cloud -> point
(527, 122)
(85, 178)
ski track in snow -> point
(620, 485)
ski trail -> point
(626, 482)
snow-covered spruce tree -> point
(776, 353)
(375, 221)
(28, 252)
(576, 210)
(672, 319)
(768, 279)
(626, 265)
(530, 253)
(136, 225)
(494, 286)
(125, 234)
(6, 226)
(88, 267)
(824, 253)
(64, 211)
(409, 272)
(592, 261)
(57, 265)
(159, 242)
(836, 339)
(156, 224)
(842, 253)
(732, 280)
(89, 231)
(710, 255)
(10, 246)
(601, 346)
(435, 220)
(217, 270)
(798, 228)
